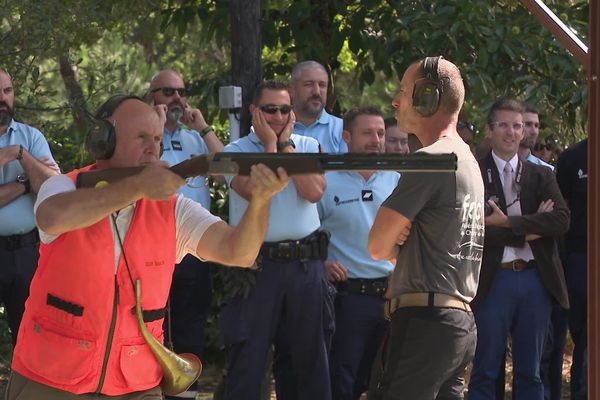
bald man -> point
(79, 337)
(186, 134)
(25, 162)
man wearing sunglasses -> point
(291, 303)
(521, 272)
(308, 89)
(186, 134)
(531, 131)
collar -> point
(9, 128)
(323, 119)
(500, 163)
(177, 128)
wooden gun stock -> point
(294, 164)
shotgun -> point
(294, 164)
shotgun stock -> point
(294, 164)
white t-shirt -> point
(191, 219)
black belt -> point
(519, 265)
(370, 287)
(312, 247)
(14, 242)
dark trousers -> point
(190, 300)
(576, 274)
(517, 304)
(18, 262)
(426, 354)
(21, 388)
(554, 349)
(291, 306)
(360, 327)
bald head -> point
(453, 96)
(139, 130)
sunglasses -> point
(469, 126)
(169, 91)
(272, 109)
(539, 147)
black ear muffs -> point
(427, 92)
(101, 139)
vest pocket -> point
(60, 354)
(139, 366)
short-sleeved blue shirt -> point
(328, 132)
(179, 146)
(17, 216)
(347, 210)
(291, 217)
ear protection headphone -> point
(101, 139)
(427, 92)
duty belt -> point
(312, 247)
(370, 287)
(14, 242)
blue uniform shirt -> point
(179, 146)
(17, 216)
(328, 132)
(538, 161)
(291, 217)
(347, 210)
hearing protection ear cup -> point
(427, 92)
(100, 141)
(101, 138)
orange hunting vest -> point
(79, 332)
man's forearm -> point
(68, 211)
(10, 191)
(37, 171)
(249, 235)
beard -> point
(312, 110)
(6, 115)
(175, 113)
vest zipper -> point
(111, 334)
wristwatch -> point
(282, 145)
(22, 178)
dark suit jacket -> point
(537, 184)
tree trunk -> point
(75, 96)
(246, 48)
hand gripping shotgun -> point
(294, 164)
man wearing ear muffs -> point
(432, 225)
(186, 134)
(521, 270)
(80, 338)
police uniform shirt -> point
(17, 216)
(347, 210)
(179, 146)
(328, 132)
(291, 217)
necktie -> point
(510, 191)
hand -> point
(156, 182)
(263, 130)
(497, 217)
(266, 183)
(336, 272)
(546, 206)
(403, 236)
(161, 110)
(289, 128)
(193, 118)
(8, 154)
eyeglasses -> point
(272, 108)
(169, 91)
(531, 124)
(468, 125)
(503, 126)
